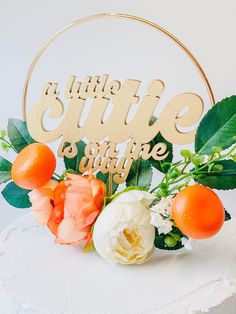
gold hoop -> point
(113, 15)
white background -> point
(207, 27)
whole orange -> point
(198, 212)
(34, 166)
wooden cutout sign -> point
(103, 136)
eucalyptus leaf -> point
(220, 180)
(18, 134)
(5, 170)
(73, 163)
(104, 177)
(140, 174)
(16, 196)
(218, 127)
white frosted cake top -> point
(40, 277)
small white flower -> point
(187, 243)
(166, 227)
(156, 219)
(161, 216)
(164, 206)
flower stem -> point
(57, 175)
(9, 144)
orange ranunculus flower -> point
(74, 206)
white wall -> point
(206, 27)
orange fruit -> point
(198, 212)
(34, 166)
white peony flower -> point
(123, 233)
(161, 216)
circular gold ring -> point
(112, 15)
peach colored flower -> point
(41, 201)
(71, 207)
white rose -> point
(123, 233)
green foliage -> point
(5, 170)
(186, 154)
(105, 178)
(16, 196)
(233, 157)
(222, 176)
(162, 165)
(171, 241)
(197, 160)
(140, 174)
(218, 127)
(3, 133)
(73, 163)
(18, 134)
(217, 149)
(227, 216)
(4, 146)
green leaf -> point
(162, 165)
(3, 133)
(227, 216)
(198, 160)
(223, 180)
(104, 177)
(4, 146)
(16, 196)
(140, 174)
(73, 163)
(18, 134)
(217, 168)
(5, 170)
(218, 127)
(169, 242)
(186, 154)
(234, 157)
(174, 173)
(217, 149)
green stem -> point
(9, 144)
(185, 166)
(180, 178)
(57, 175)
(184, 176)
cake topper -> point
(102, 136)
(84, 204)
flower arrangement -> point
(126, 226)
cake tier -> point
(40, 277)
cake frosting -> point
(39, 277)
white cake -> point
(40, 277)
